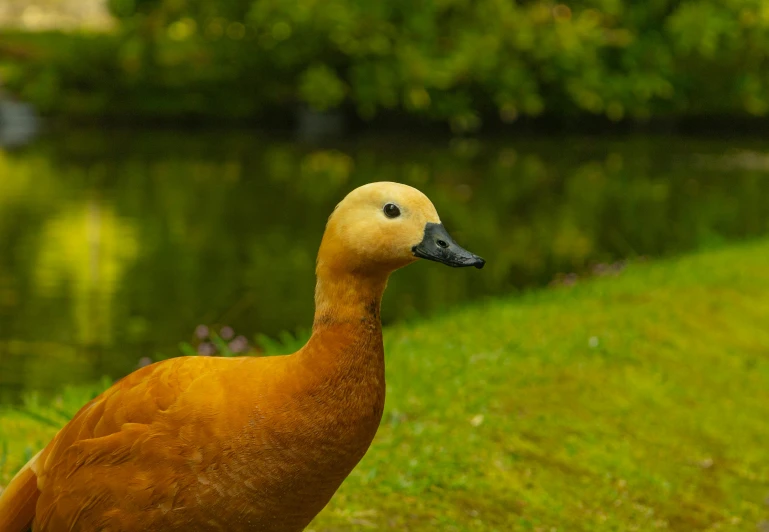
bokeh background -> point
(168, 164)
(167, 167)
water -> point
(116, 245)
(18, 122)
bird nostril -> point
(442, 243)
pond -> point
(118, 245)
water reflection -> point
(19, 123)
(115, 246)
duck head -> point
(381, 227)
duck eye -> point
(391, 210)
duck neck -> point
(348, 299)
(347, 329)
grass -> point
(632, 403)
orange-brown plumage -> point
(198, 443)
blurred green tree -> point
(458, 61)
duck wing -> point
(124, 460)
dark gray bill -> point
(437, 245)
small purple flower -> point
(144, 361)
(206, 349)
(201, 331)
(227, 332)
(239, 344)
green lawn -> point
(632, 403)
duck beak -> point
(438, 245)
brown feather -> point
(236, 444)
(18, 501)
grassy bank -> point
(632, 403)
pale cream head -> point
(360, 235)
(381, 227)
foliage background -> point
(634, 401)
(459, 62)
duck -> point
(243, 443)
